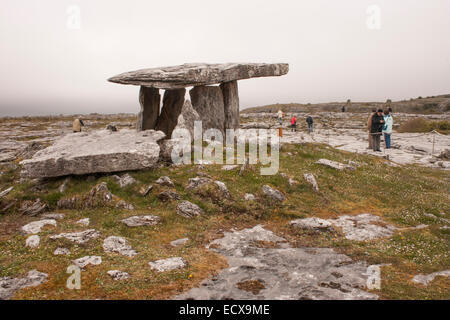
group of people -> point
(309, 121)
(380, 123)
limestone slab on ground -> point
(87, 260)
(118, 245)
(426, 279)
(197, 74)
(283, 272)
(36, 226)
(78, 237)
(168, 264)
(118, 275)
(8, 285)
(97, 151)
(363, 227)
(138, 221)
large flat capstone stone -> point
(97, 151)
(197, 74)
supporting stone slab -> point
(149, 98)
(173, 101)
(231, 104)
(208, 102)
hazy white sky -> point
(48, 67)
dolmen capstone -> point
(217, 106)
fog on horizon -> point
(56, 55)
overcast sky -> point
(336, 49)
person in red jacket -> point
(293, 124)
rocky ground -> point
(312, 231)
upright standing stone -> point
(231, 104)
(173, 101)
(208, 102)
(149, 98)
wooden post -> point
(280, 132)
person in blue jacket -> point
(387, 128)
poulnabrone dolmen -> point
(103, 151)
(217, 106)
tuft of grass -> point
(422, 125)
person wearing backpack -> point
(310, 122)
(376, 129)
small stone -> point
(118, 245)
(312, 181)
(145, 190)
(33, 241)
(78, 237)
(5, 192)
(138, 221)
(194, 183)
(272, 193)
(57, 216)
(168, 195)
(62, 188)
(223, 189)
(335, 165)
(230, 167)
(249, 197)
(118, 275)
(87, 260)
(188, 209)
(426, 279)
(61, 251)
(311, 224)
(84, 222)
(36, 226)
(179, 242)
(165, 181)
(125, 180)
(168, 264)
(33, 208)
(121, 204)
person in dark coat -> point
(310, 122)
(376, 129)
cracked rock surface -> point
(8, 285)
(281, 273)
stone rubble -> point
(145, 190)
(311, 224)
(249, 197)
(168, 195)
(33, 208)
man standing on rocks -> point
(77, 124)
(310, 122)
(369, 126)
(376, 129)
